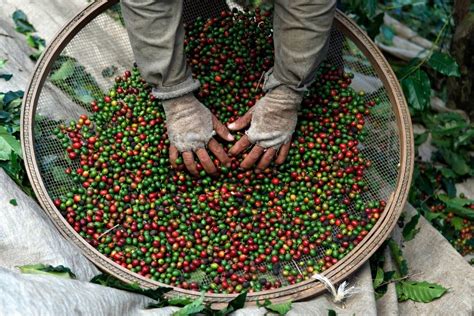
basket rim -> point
(308, 288)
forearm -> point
(156, 34)
(301, 31)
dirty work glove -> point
(272, 122)
(190, 128)
(301, 30)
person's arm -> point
(301, 32)
(156, 34)
(301, 38)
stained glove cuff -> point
(183, 88)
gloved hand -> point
(190, 128)
(301, 31)
(272, 122)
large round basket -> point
(97, 40)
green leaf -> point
(387, 33)
(238, 302)
(441, 118)
(400, 295)
(447, 126)
(388, 276)
(380, 292)
(35, 41)
(447, 173)
(108, 280)
(369, 7)
(378, 278)
(449, 186)
(179, 301)
(15, 170)
(419, 291)
(457, 161)
(374, 24)
(384, 280)
(431, 216)
(193, 308)
(397, 256)
(457, 222)
(281, 308)
(406, 70)
(6, 77)
(36, 55)
(449, 129)
(65, 71)
(410, 230)
(456, 205)
(8, 144)
(332, 312)
(421, 138)
(11, 96)
(39, 268)
(444, 64)
(466, 138)
(21, 22)
(13, 202)
(13, 167)
(417, 89)
(423, 182)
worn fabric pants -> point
(155, 28)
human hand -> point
(272, 122)
(191, 127)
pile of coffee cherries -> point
(241, 230)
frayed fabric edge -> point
(185, 87)
(343, 291)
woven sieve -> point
(97, 41)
